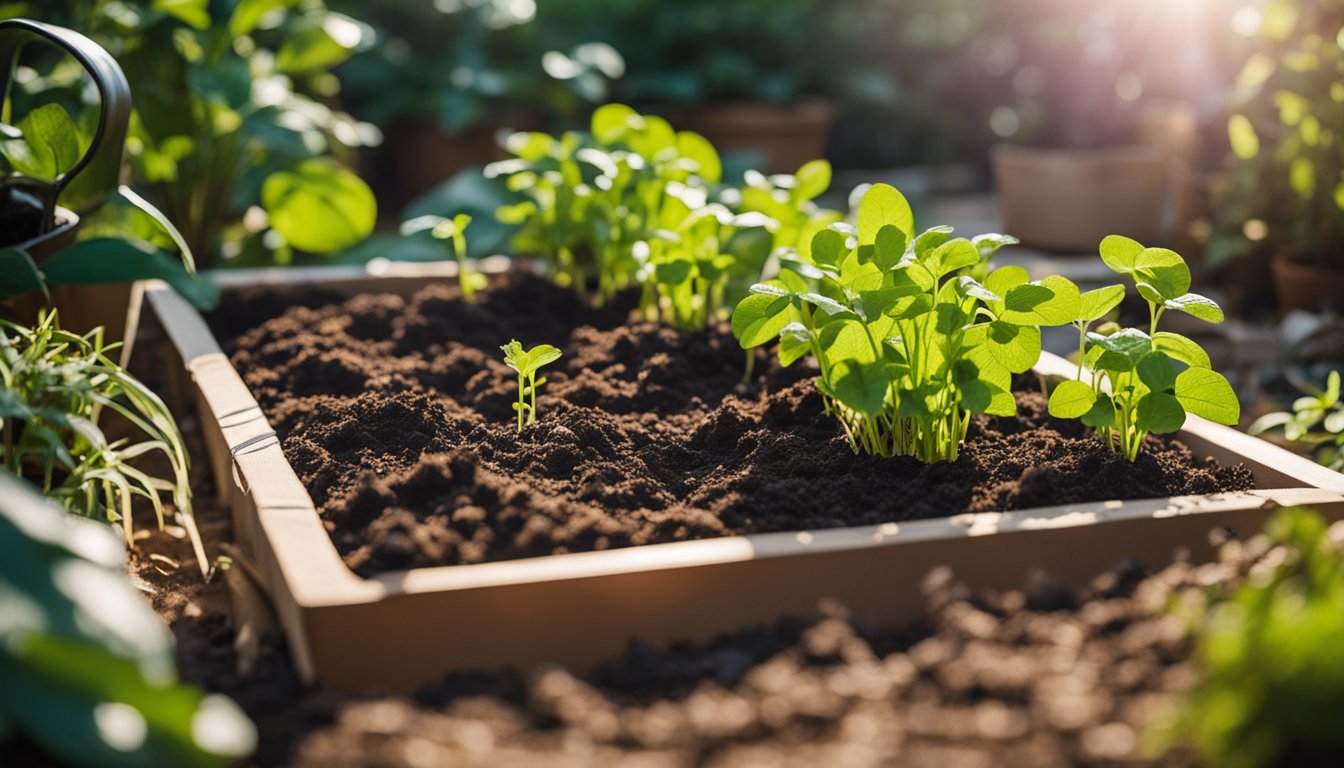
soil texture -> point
(397, 416)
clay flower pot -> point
(787, 135)
(1306, 286)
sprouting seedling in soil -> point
(908, 344)
(1130, 383)
(452, 231)
(1315, 408)
(527, 363)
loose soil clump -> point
(396, 415)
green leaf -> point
(989, 244)
(318, 48)
(1120, 253)
(1157, 372)
(697, 148)
(952, 256)
(1181, 348)
(1241, 133)
(889, 247)
(611, 122)
(1015, 347)
(674, 272)
(319, 206)
(813, 179)
(829, 248)
(1095, 304)
(930, 239)
(792, 349)
(1052, 301)
(1101, 414)
(18, 275)
(50, 145)
(758, 318)
(249, 13)
(1071, 400)
(195, 13)
(542, 354)
(972, 289)
(1164, 270)
(847, 339)
(1159, 413)
(102, 260)
(1206, 393)
(1122, 350)
(861, 386)
(882, 205)
(1202, 307)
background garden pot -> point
(786, 135)
(424, 155)
(1069, 199)
(1306, 286)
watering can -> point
(30, 218)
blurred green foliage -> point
(1284, 190)
(1270, 649)
(228, 96)
(87, 666)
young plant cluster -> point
(908, 344)
(1316, 419)
(1130, 382)
(56, 384)
(636, 203)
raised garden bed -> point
(716, 504)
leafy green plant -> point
(907, 345)
(454, 231)
(1283, 190)
(527, 363)
(1268, 649)
(232, 136)
(630, 203)
(1317, 408)
(88, 668)
(1129, 382)
(56, 385)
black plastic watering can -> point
(30, 219)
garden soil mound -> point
(397, 416)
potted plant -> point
(232, 136)
(1085, 150)
(1282, 194)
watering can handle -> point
(102, 162)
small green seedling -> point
(1318, 408)
(1131, 383)
(527, 363)
(452, 231)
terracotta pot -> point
(786, 135)
(1069, 199)
(1306, 286)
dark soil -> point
(396, 415)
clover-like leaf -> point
(1120, 253)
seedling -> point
(453, 231)
(1130, 383)
(907, 346)
(1317, 408)
(527, 363)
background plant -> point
(1316, 408)
(1268, 649)
(88, 667)
(1129, 383)
(1284, 189)
(56, 385)
(908, 346)
(527, 363)
(231, 118)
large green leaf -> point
(1051, 301)
(697, 148)
(1206, 393)
(1181, 348)
(113, 260)
(50, 145)
(196, 13)
(813, 179)
(861, 386)
(1120, 253)
(760, 317)
(1159, 413)
(1096, 303)
(319, 47)
(319, 206)
(18, 274)
(1071, 399)
(881, 205)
